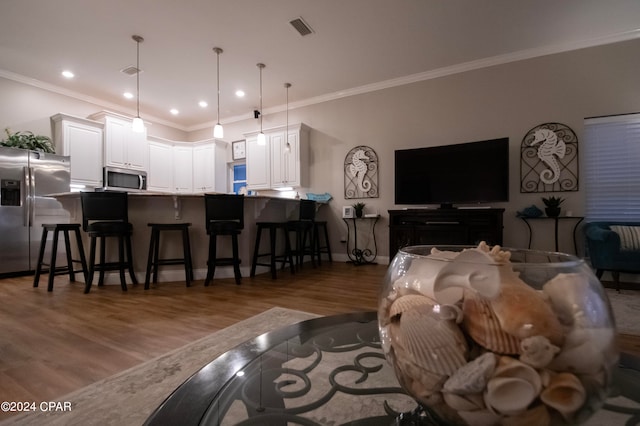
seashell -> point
(565, 394)
(509, 395)
(472, 269)
(418, 382)
(410, 301)
(569, 294)
(472, 377)
(537, 416)
(523, 312)
(436, 345)
(483, 326)
(511, 367)
(537, 351)
(585, 351)
(469, 402)
(480, 417)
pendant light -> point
(137, 125)
(262, 140)
(218, 132)
(287, 146)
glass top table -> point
(324, 371)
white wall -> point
(506, 100)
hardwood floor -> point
(54, 343)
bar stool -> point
(304, 232)
(56, 228)
(326, 248)
(224, 214)
(286, 257)
(105, 215)
(154, 259)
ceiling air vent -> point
(131, 70)
(301, 27)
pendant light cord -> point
(261, 66)
(138, 77)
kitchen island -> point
(146, 207)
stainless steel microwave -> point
(124, 179)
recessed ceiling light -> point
(174, 111)
(240, 93)
(67, 74)
(128, 95)
(203, 104)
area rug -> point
(626, 310)
(129, 397)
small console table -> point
(556, 220)
(361, 255)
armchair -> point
(608, 251)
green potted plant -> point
(358, 208)
(552, 204)
(27, 140)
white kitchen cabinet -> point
(270, 166)
(122, 146)
(160, 174)
(204, 168)
(82, 140)
(258, 164)
(183, 168)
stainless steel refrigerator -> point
(26, 178)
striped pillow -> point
(629, 237)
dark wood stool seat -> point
(105, 215)
(52, 269)
(154, 260)
(320, 228)
(274, 257)
(304, 230)
(224, 214)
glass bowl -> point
(491, 335)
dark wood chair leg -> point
(211, 262)
(256, 251)
(83, 260)
(150, 259)
(43, 242)
(52, 262)
(132, 274)
(92, 264)
(67, 246)
(103, 257)
(236, 259)
(123, 282)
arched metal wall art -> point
(549, 159)
(361, 173)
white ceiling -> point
(357, 45)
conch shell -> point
(565, 394)
(569, 294)
(513, 387)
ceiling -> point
(356, 46)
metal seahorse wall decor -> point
(549, 159)
(358, 170)
(361, 173)
(550, 148)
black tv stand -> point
(447, 206)
(453, 226)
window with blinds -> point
(611, 168)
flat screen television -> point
(467, 173)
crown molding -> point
(413, 78)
